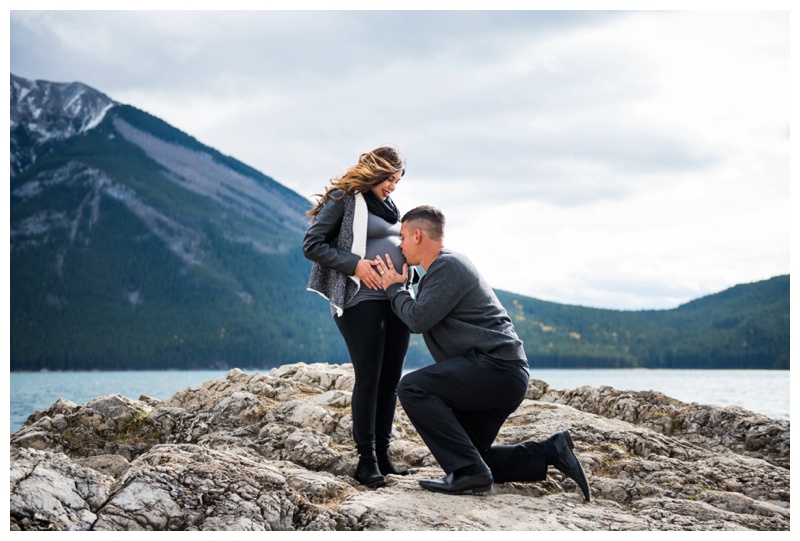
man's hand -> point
(389, 274)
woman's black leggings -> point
(377, 341)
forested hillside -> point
(135, 246)
(746, 326)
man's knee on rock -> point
(408, 390)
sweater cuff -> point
(349, 267)
(394, 289)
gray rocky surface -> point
(272, 451)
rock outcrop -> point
(272, 451)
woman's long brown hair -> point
(372, 169)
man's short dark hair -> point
(427, 218)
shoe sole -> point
(475, 491)
(379, 484)
(376, 484)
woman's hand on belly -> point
(365, 271)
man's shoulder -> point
(451, 255)
(449, 258)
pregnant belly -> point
(394, 253)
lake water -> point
(762, 391)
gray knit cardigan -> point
(336, 287)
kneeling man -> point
(480, 377)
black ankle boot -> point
(367, 472)
(386, 466)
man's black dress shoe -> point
(460, 484)
(567, 463)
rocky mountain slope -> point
(272, 451)
(135, 247)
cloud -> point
(642, 155)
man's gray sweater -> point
(457, 312)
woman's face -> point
(385, 188)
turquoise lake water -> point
(762, 391)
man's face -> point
(408, 246)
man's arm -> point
(443, 287)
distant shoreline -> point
(643, 368)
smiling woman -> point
(353, 222)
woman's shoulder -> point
(336, 198)
(339, 195)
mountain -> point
(746, 326)
(135, 246)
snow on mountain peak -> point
(55, 110)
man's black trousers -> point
(458, 407)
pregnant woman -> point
(353, 222)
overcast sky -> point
(614, 159)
